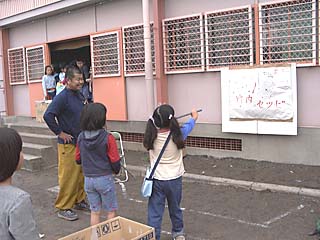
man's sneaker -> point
(67, 214)
(82, 206)
(181, 237)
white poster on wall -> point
(260, 100)
(262, 94)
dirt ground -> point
(241, 169)
(211, 212)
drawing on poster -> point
(263, 94)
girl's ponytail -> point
(176, 133)
(149, 135)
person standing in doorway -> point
(63, 118)
(87, 86)
(48, 83)
(61, 81)
(62, 73)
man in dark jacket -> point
(63, 118)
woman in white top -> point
(167, 183)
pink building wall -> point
(308, 86)
(184, 90)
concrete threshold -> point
(250, 185)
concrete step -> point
(35, 149)
(14, 119)
(31, 127)
(32, 163)
(39, 143)
(48, 153)
(50, 140)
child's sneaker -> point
(181, 237)
(41, 235)
(82, 206)
(67, 214)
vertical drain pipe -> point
(148, 60)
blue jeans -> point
(101, 193)
(172, 191)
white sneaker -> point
(181, 237)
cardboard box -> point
(41, 107)
(117, 228)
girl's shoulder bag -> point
(146, 188)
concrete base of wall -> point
(300, 149)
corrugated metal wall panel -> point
(12, 7)
(40, 3)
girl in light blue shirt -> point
(49, 84)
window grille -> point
(133, 45)
(35, 63)
(229, 38)
(17, 71)
(288, 32)
(105, 54)
(183, 44)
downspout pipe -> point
(150, 96)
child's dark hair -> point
(71, 71)
(45, 69)
(93, 117)
(10, 148)
(163, 117)
(62, 66)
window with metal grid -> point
(16, 62)
(183, 44)
(133, 45)
(105, 54)
(229, 38)
(288, 32)
(35, 63)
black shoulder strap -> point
(160, 155)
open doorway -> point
(66, 52)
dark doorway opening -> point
(66, 52)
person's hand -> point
(194, 114)
(67, 138)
